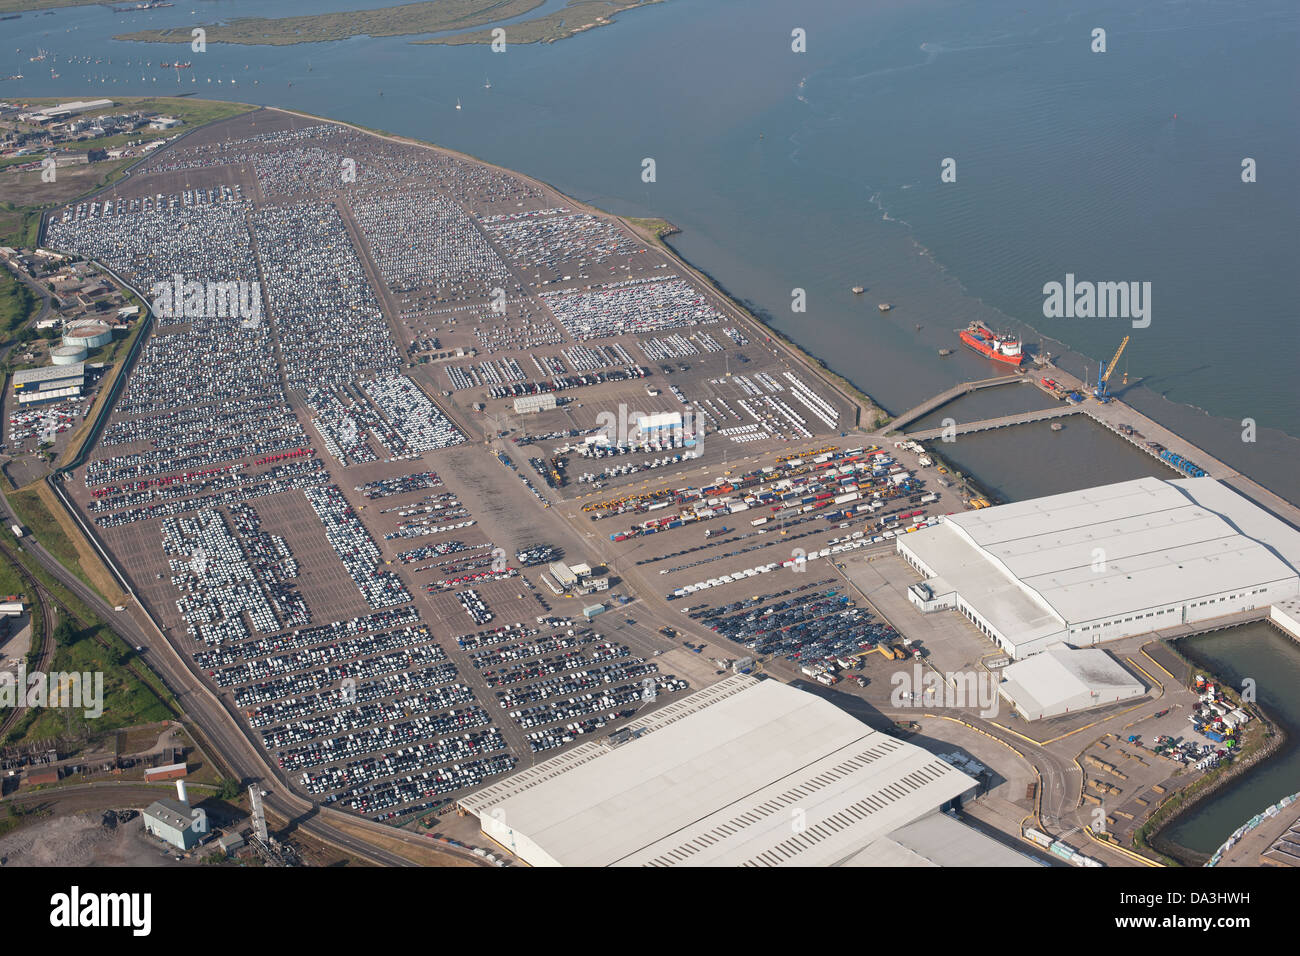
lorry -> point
(17, 529)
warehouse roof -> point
(939, 840)
(29, 376)
(1157, 546)
(1244, 515)
(745, 772)
(170, 812)
(1011, 608)
(1092, 554)
(1046, 683)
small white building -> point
(1063, 680)
(527, 404)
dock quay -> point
(1114, 415)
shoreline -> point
(1277, 737)
(869, 409)
(740, 312)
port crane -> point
(1101, 392)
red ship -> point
(999, 347)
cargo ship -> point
(999, 347)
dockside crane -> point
(1101, 393)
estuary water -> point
(820, 170)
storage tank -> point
(67, 354)
(90, 335)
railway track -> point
(42, 599)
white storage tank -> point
(67, 354)
(90, 335)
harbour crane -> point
(1103, 379)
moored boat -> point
(1001, 347)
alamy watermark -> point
(75, 690)
(1098, 300)
(627, 428)
(208, 300)
(957, 689)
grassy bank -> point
(578, 16)
(431, 16)
(128, 700)
(652, 230)
(17, 304)
(37, 508)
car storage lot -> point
(375, 705)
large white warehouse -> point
(1104, 563)
(746, 772)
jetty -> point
(1123, 420)
(985, 424)
(952, 394)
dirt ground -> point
(85, 839)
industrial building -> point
(744, 772)
(88, 335)
(563, 574)
(526, 404)
(579, 578)
(170, 820)
(61, 111)
(1063, 680)
(654, 426)
(1104, 563)
(175, 821)
(68, 354)
(32, 385)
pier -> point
(1022, 418)
(943, 398)
(1113, 415)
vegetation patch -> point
(405, 19)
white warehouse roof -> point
(1035, 569)
(744, 772)
(939, 840)
(1158, 546)
(1064, 679)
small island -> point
(408, 19)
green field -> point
(127, 700)
(17, 304)
(22, 6)
(133, 694)
(576, 17)
(430, 16)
